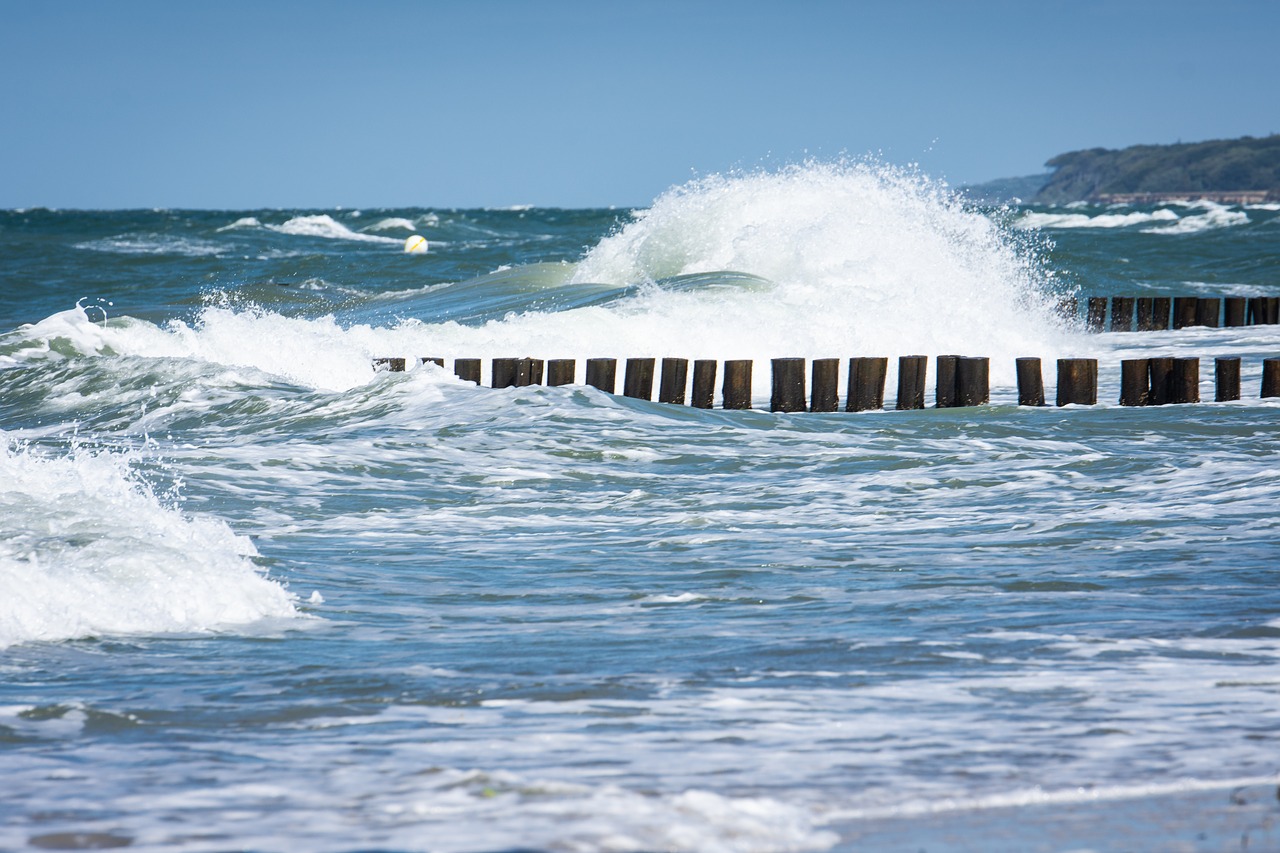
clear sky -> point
(277, 103)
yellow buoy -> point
(416, 245)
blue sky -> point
(274, 103)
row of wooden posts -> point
(959, 380)
(1159, 313)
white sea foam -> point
(313, 353)
(863, 260)
(1215, 216)
(392, 223)
(324, 225)
(1035, 220)
(87, 549)
(242, 223)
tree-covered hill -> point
(1217, 166)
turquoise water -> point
(256, 595)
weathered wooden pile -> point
(958, 380)
(1160, 313)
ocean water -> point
(256, 595)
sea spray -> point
(87, 549)
(813, 260)
(862, 260)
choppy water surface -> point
(254, 595)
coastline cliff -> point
(1232, 171)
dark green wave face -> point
(281, 599)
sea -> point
(260, 593)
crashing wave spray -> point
(86, 550)
(813, 260)
(847, 259)
(865, 259)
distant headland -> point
(1229, 171)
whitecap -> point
(87, 549)
(391, 223)
(1035, 220)
(323, 225)
(242, 222)
(1213, 218)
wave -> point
(153, 244)
(818, 260)
(1213, 218)
(864, 259)
(1034, 220)
(325, 226)
(314, 353)
(1162, 221)
(393, 222)
(242, 222)
(87, 549)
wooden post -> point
(1208, 310)
(911, 375)
(1146, 307)
(561, 371)
(1097, 308)
(638, 382)
(1135, 381)
(504, 373)
(1077, 381)
(944, 393)
(1270, 377)
(1184, 311)
(529, 371)
(704, 384)
(1272, 304)
(825, 382)
(1122, 313)
(788, 385)
(736, 392)
(1030, 382)
(1069, 309)
(1254, 311)
(1160, 306)
(1161, 393)
(1226, 379)
(675, 377)
(438, 362)
(1233, 309)
(467, 369)
(601, 373)
(395, 365)
(1186, 381)
(973, 380)
(866, 384)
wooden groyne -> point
(959, 381)
(1161, 313)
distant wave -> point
(1033, 220)
(393, 222)
(323, 225)
(1197, 216)
(242, 222)
(1214, 217)
(153, 244)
